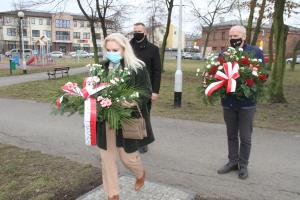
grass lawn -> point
(26, 174)
(274, 116)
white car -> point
(100, 54)
(56, 54)
(81, 54)
(290, 60)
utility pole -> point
(178, 73)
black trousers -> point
(239, 124)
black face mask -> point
(138, 36)
(236, 42)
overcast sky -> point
(190, 24)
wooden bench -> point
(58, 70)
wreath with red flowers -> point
(233, 72)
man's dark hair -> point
(139, 24)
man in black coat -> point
(149, 54)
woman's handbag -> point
(134, 128)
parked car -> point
(290, 60)
(81, 54)
(197, 56)
(27, 52)
(185, 55)
(56, 54)
(100, 54)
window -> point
(32, 20)
(98, 36)
(40, 21)
(61, 23)
(25, 32)
(88, 24)
(76, 35)
(81, 23)
(75, 23)
(86, 35)
(223, 35)
(214, 36)
(76, 47)
(11, 32)
(47, 33)
(62, 35)
(48, 21)
(35, 33)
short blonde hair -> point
(130, 60)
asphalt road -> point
(185, 153)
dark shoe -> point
(143, 149)
(243, 172)
(139, 183)
(228, 168)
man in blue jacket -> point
(239, 114)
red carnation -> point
(250, 82)
(245, 61)
(221, 59)
(213, 69)
(262, 77)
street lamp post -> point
(21, 16)
(178, 73)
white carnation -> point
(254, 73)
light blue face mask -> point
(114, 57)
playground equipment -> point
(41, 51)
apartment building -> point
(66, 32)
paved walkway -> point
(151, 191)
(186, 154)
(9, 80)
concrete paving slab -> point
(151, 191)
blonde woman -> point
(119, 54)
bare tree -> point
(170, 5)
(156, 11)
(259, 22)
(250, 20)
(109, 10)
(92, 19)
(280, 36)
(296, 48)
(215, 9)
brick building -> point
(218, 39)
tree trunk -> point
(250, 20)
(94, 40)
(280, 34)
(164, 43)
(297, 47)
(206, 40)
(271, 48)
(103, 27)
(259, 21)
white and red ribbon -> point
(90, 109)
(231, 73)
(90, 116)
